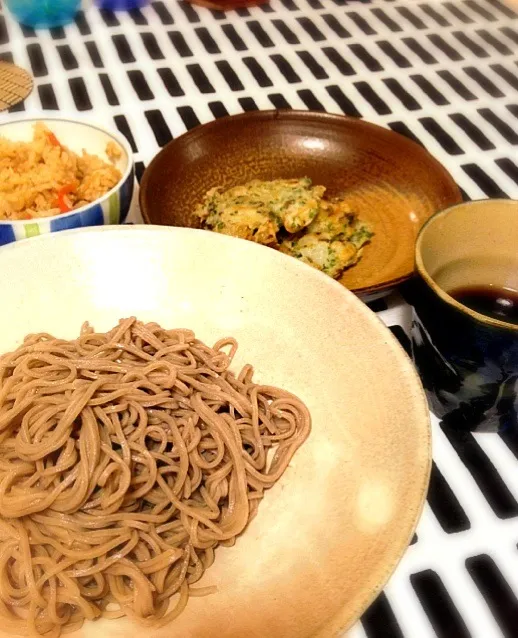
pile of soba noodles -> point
(126, 458)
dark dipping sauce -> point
(492, 301)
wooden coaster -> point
(15, 85)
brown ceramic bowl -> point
(391, 182)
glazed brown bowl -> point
(390, 181)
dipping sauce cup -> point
(464, 329)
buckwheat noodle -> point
(126, 458)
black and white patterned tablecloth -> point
(443, 72)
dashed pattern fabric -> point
(442, 72)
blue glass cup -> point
(44, 14)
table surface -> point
(443, 72)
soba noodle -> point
(126, 458)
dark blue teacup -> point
(465, 315)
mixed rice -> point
(43, 178)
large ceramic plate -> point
(330, 533)
(393, 183)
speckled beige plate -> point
(391, 182)
(329, 534)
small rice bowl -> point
(44, 178)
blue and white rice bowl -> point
(111, 208)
